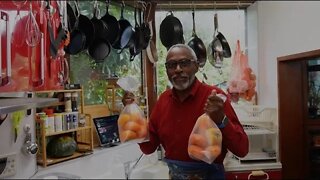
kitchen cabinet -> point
(256, 174)
(299, 115)
(74, 124)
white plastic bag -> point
(205, 140)
(132, 123)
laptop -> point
(107, 130)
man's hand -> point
(128, 98)
(214, 107)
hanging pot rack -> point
(198, 4)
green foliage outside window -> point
(92, 75)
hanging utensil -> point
(197, 45)
(32, 29)
(6, 80)
(215, 49)
(113, 27)
(37, 82)
(171, 31)
(19, 38)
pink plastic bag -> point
(205, 140)
(242, 81)
(237, 82)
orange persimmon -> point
(127, 135)
(214, 150)
(203, 122)
(196, 152)
(142, 133)
(198, 140)
(123, 119)
(214, 136)
(133, 126)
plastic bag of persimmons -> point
(205, 140)
(132, 124)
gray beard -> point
(185, 85)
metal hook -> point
(123, 4)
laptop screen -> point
(107, 129)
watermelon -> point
(62, 146)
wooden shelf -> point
(83, 136)
(67, 131)
(51, 161)
(61, 90)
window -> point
(92, 75)
(231, 23)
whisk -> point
(32, 30)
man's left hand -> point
(214, 107)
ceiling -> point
(197, 4)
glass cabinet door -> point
(314, 88)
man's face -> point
(181, 68)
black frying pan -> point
(222, 40)
(171, 31)
(99, 49)
(86, 26)
(71, 17)
(99, 25)
(113, 27)
(77, 40)
(198, 46)
(123, 24)
(130, 36)
(145, 31)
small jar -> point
(67, 102)
(74, 98)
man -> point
(177, 111)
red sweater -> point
(172, 121)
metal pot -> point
(198, 46)
(171, 31)
(113, 27)
(218, 48)
(123, 24)
(99, 49)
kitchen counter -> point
(109, 163)
(232, 164)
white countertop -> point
(109, 162)
(231, 164)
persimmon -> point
(135, 116)
(133, 126)
(123, 119)
(127, 135)
(198, 140)
(214, 150)
(214, 136)
(142, 133)
(141, 120)
(203, 122)
(196, 152)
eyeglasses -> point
(172, 65)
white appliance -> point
(18, 157)
(261, 125)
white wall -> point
(25, 164)
(278, 28)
